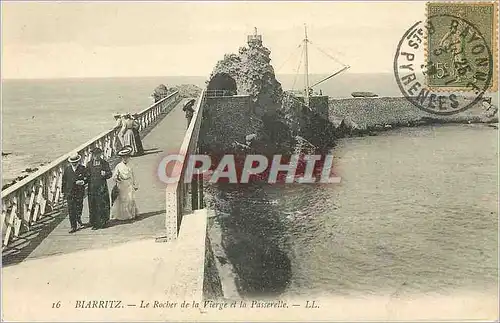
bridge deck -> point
(53, 238)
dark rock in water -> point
(364, 94)
(6, 154)
(222, 260)
(160, 92)
(19, 178)
(31, 170)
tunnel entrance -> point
(222, 85)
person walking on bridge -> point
(98, 171)
(73, 189)
(188, 109)
(124, 207)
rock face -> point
(160, 92)
(274, 119)
(252, 74)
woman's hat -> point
(96, 151)
(125, 151)
(75, 158)
(117, 115)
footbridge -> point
(159, 256)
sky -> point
(129, 39)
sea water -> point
(416, 212)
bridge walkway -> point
(53, 238)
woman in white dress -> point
(124, 207)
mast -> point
(306, 68)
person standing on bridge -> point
(73, 189)
(124, 207)
(188, 109)
(137, 136)
(118, 139)
(128, 134)
(98, 171)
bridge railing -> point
(29, 200)
(218, 93)
(176, 193)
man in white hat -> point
(73, 188)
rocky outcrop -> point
(254, 76)
(229, 120)
(187, 90)
(160, 92)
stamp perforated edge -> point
(494, 51)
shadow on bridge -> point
(49, 236)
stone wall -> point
(320, 104)
(212, 287)
(396, 111)
(226, 120)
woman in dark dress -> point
(138, 141)
(99, 207)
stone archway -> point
(222, 84)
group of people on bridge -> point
(92, 178)
(77, 179)
(127, 128)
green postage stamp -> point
(462, 48)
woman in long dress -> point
(118, 140)
(124, 207)
(137, 136)
(128, 134)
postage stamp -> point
(459, 45)
(413, 69)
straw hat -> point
(74, 158)
(125, 151)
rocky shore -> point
(25, 173)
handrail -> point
(218, 93)
(176, 192)
(27, 200)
